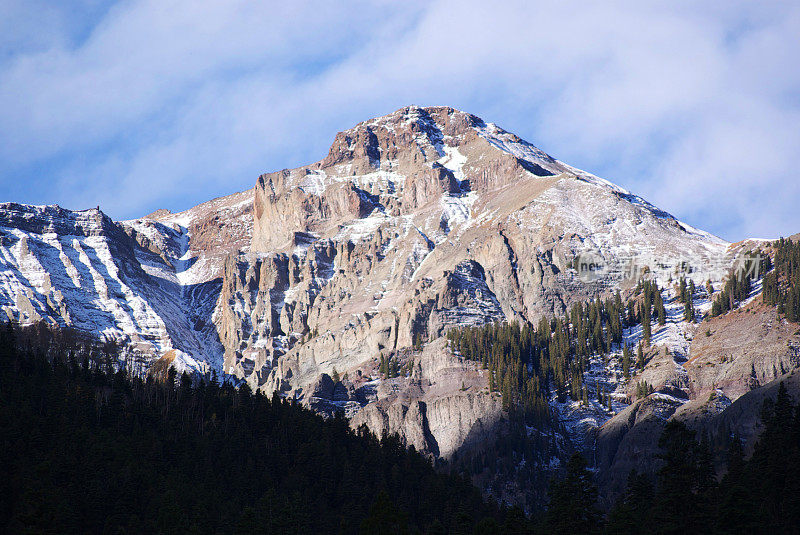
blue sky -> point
(139, 105)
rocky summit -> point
(414, 223)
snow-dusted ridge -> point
(136, 282)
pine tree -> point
(383, 368)
(626, 362)
(688, 311)
(643, 389)
(680, 472)
(507, 392)
(660, 311)
(385, 517)
(630, 514)
(640, 357)
(632, 316)
(736, 496)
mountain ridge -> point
(414, 223)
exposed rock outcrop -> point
(735, 362)
(742, 350)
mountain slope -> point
(143, 284)
(415, 194)
(417, 222)
(316, 281)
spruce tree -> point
(632, 316)
(383, 368)
(735, 503)
(626, 362)
(640, 357)
(417, 342)
(630, 514)
(660, 311)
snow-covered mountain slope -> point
(150, 284)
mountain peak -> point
(439, 116)
(429, 129)
(419, 159)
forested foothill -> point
(87, 448)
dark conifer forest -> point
(87, 449)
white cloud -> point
(168, 103)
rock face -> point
(740, 351)
(82, 270)
(413, 223)
(442, 407)
(436, 219)
(629, 440)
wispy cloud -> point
(145, 104)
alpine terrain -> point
(437, 277)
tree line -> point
(782, 284)
(527, 364)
